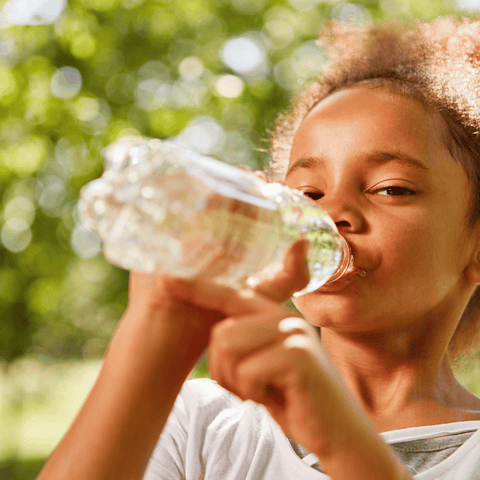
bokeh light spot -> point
(166, 122)
(87, 108)
(26, 158)
(8, 85)
(85, 243)
(20, 207)
(191, 68)
(188, 93)
(44, 295)
(236, 149)
(33, 12)
(201, 134)
(16, 235)
(281, 32)
(350, 12)
(66, 82)
(8, 51)
(243, 55)
(83, 45)
(468, 4)
(151, 94)
(229, 86)
(305, 63)
(50, 192)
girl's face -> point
(375, 161)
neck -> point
(399, 381)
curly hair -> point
(438, 64)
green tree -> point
(214, 73)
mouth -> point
(344, 281)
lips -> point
(342, 282)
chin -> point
(327, 312)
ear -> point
(472, 271)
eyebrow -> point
(375, 158)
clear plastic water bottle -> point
(159, 207)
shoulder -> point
(205, 408)
(205, 389)
(203, 400)
(213, 434)
(205, 413)
(204, 393)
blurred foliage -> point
(20, 469)
(214, 73)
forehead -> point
(357, 120)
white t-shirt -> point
(212, 435)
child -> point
(386, 141)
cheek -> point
(412, 237)
(422, 262)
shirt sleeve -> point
(206, 425)
(168, 459)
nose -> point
(344, 211)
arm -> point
(159, 340)
(163, 333)
(153, 351)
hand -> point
(260, 352)
(277, 360)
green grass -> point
(38, 402)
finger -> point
(271, 374)
(226, 300)
(233, 339)
(261, 175)
(280, 284)
(258, 173)
(288, 381)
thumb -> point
(279, 284)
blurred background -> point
(76, 76)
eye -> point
(314, 195)
(394, 191)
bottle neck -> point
(345, 265)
